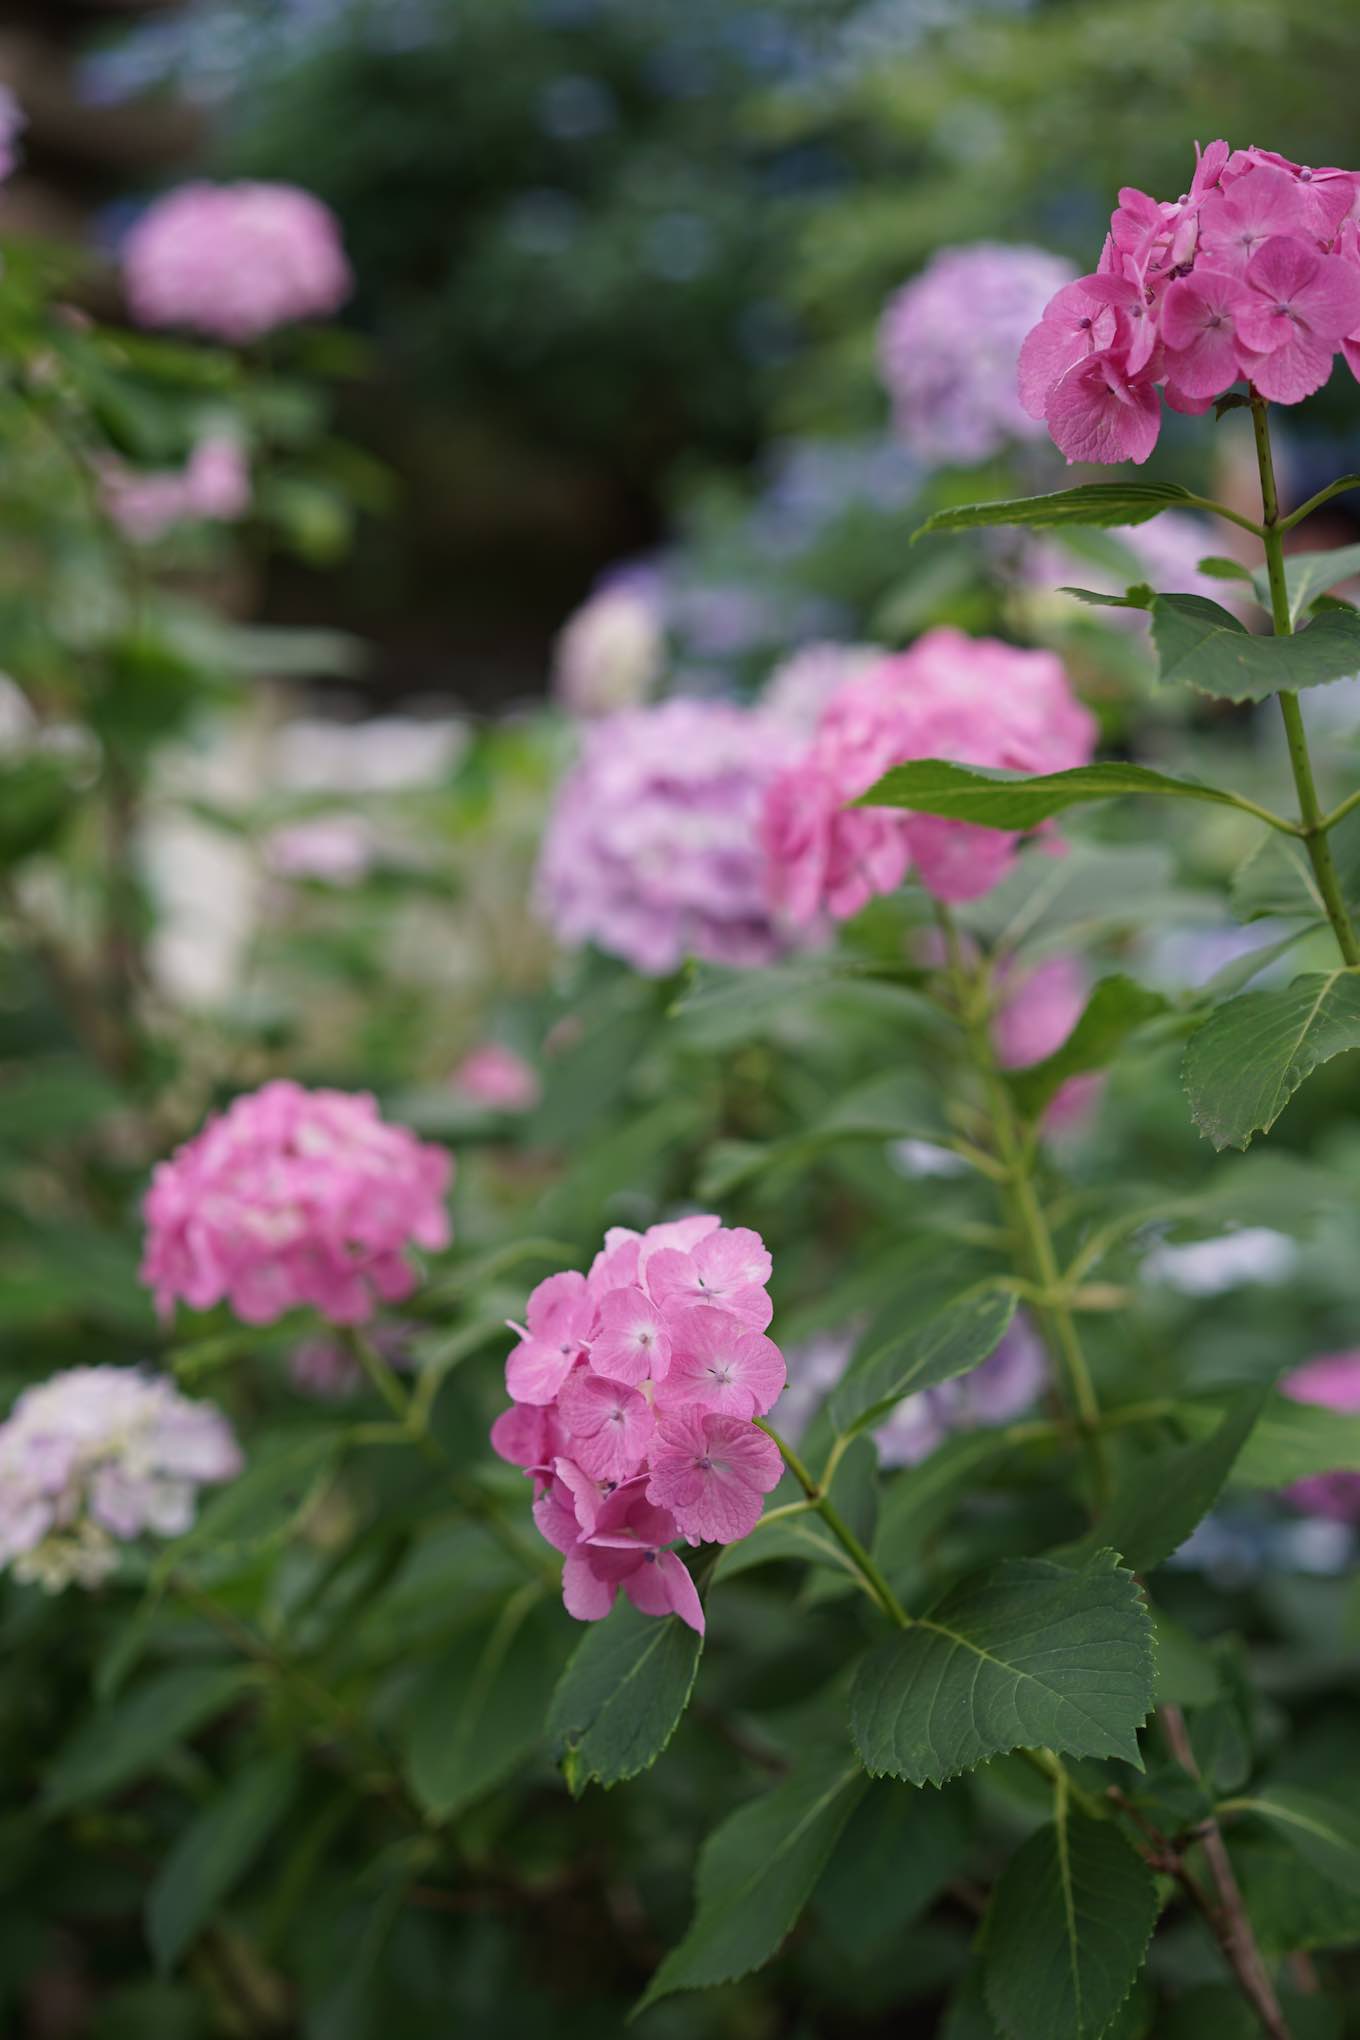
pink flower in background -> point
(947, 344)
(495, 1076)
(1036, 1013)
(213, 488)
(632, 1409)
(798, 690)
(13, 121)
(235, 261)
(330, 849)
(974, 701)
(1253, 274)
(99, 1456)
(293, 1197)
(326, 1368)
(1331, 1382)
(651, 850)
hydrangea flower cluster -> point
(212, 486)
(973, 700)
(947, 344)
(651, 850)
(234, 261)
(1037, 1011)
(294, 1197)
(609, 653)
(633, 1392)
(495, 1076)
(99, 1456)
(1331, 1382)
(1254, 272)
(800, 687)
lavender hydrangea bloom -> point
(97, 1456)
(800, 687)
(948, 346)
(651, 849)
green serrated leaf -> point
(756, 1873)
(137, 1731)
(1035, 1654)
(1117, 1008)
(1325, 1832)
(1206, 647)
(1007, 800)
(1092, 503)
(214, 1852)
(952, 1340)
(620, 1699)
(477, 1712)
(1068, 1931)
(1246, 1062)
(1160, 1500)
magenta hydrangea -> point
(294, 1197)
(633, 1392)
(1331, 1382)
(1035, 1012)
(947, 344)
(212, 487)
(99, 1456)
(235, 261)
(1254, 274)
(975, 701)
(651, 850)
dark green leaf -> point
(1092, 503)
(1032, 1655)
(1292, 1904)
(1068, 1932)
(36, 798)
(899, 1849)
(1326, 1832)
(1218, 2011)
(756, 1873)
(1208, 648)
(1278, 880)
(1005, 800)
(954, 1339)
(214, 1852)
(477, 1711)
(1138, 596)
(1117, 1008)
(620, 1699)
(135, 1734)
(1246, 1062)
(967, 2016)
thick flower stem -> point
(874, 1580)
(1313, 824)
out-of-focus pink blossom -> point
(1037, 1011)
(651, 849)
(633, 1407)
(798, 690)
(13, 121)
(1253, 274)
(235, 261)
(213, 488)
(332, 849)
(1331, 1382)
(974, 701)
(99, 1456)
(293, 1197)
(493, 1075)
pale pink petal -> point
(719, 1364)
(535, 1371)
(585, 1595)
(630, 1342)
(1097, 414)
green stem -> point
(1313, 826)
(874, 1579)
(1015, 1154)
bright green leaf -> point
(951, 1341)
(1068, 1931)
(1117, 1008)
(621, 1697)
(756, 1873)
(214, 1851)
(1208, 648)
(1246, 1062)
(1006, 800)
(1033, 1655)
(1093, 503)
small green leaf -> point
(1290, 1441)
(1246, 1062)
(477, 1712)
(1278, 881)
(1206, 647)
(1092, 503)
(1160, 1500)
(1117, 1008)
(1006, 800)
(756, 1873)
(621, 1697)
(214, 1852)
(951, 1341)
(119, 1743)
(1068, 1932)
(1033, 1655)
(1219, 568)
(1137, 596)
(1308, 575)
(1325, 1832)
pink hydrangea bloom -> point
(633, 1404)
(947, 345)
(234, 261)
(213, 487)
(493, 1075)
(651, 848)
(1253, 274)
(1331, 1382)
(975, 701)
(798, 690)
(99, 1456)
(1037, 1011)
(294, 1197)
(330, 849)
